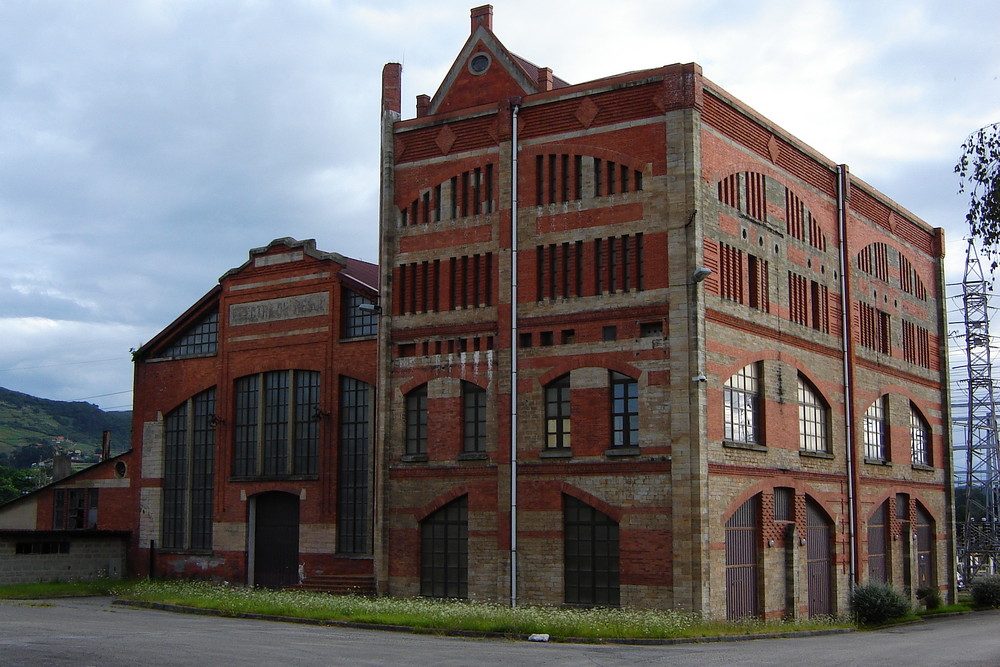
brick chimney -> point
(545, 78)
(423, 105)
(482, 16)
(392, 76)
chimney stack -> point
(482, 16)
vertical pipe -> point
(513, 357)
(845, 312)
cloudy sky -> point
(147, 145)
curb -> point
(474, 634)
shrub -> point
(930, 596)
(986, 591)
(877, 603)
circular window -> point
(120, 468)
(479, 63)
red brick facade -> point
(626, 188)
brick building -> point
(641, 346)
(252, 433)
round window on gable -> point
(120, 468)
(479, 63)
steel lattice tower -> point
(978, 526)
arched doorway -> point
(276, 539)
(925, 547)
(819, 531)
(742, 531)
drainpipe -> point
(848, 344)
(513, 356)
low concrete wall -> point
(33, 556)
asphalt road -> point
(92, 631)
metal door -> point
(925, 553)
(276, 540)
(818, 537)
(742, 531)
(877, 543)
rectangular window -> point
(784, 504)
(359, 322)
(416, 421)
(624, 411)
(557, 413)
(75, 509)
(474, 422)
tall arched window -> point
(590, 554)
(188, 472)
(444, 551)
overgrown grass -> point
(441, 615)
(59, 589)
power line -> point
(68, 363)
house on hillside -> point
(641, 346)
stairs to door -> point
(339, 584)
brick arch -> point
(178, 403)
(615, 513)
(442, 500)
(567, 366)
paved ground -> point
(91, 631)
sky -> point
(147, 145)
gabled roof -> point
(504, 74)
(359, 274)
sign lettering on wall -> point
(275, 310)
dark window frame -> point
(624, 410)
(444, 551)
(558, 413)
(591, 555)
(277, 424)
(188, 476)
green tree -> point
(15, 483)
(979, 174)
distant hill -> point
(26, 421)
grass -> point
(438, 615)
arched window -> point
(813, 419)
(590, 554)
(920, 438)
(416, 421)
(741, 406)
(474, 418)
(188, 468)
(557, 413)
(444, 551)
(877, 430)
(742, 543)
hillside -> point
(26, 420)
